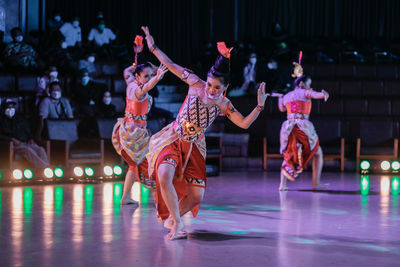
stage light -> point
(395, 185)
(117, 170)
(365, 165)
(395, 165)
(28, 174)
(364, 185)
(385, 165)
(78, 171)
(1, 175)
(58, 172)
(108, 170)
(89, 171)
(48, 173)
(17, 174)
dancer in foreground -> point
(177, 153)
(130, 136)
(299, 141)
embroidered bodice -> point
(194, 118)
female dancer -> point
(177, 153)
(299, 141)
(130, 136)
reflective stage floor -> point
(243, 220)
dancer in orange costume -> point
(130, 136)
(298, 138)
(177, 153)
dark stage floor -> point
(244, 220)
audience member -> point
(72, 33)
(14, 128)
(101, 38)
(55, 106)
(87, 94)
(19, 54)
(51, 75)
(88, 64)
(105, 109)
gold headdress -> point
(298, 70)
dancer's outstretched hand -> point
(161, 71)
(149, 38)
(326, 95)
(276, 95)
(261, 95)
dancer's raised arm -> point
(317, 95)
(244, 122)
(176, 69)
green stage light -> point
(78, 171)
(17, 174)
(58, 172)
(365, 165)
(28, 174)
(89, 171)
(48, 173)
(395, 165)
(117, 170)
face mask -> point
(56, 95)
(53, 74)
(91, 59)
(57, 18)
(107, 100)
(9, 112)
(64, 45)
(75, 23)
(102, 27)
(272, 65)
(85, 80)
(253, 60)
(212, 97)
(19, 38)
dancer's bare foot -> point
(321, 186)
(169, 223)
(177, 231)
(129, 201)
(283, 188)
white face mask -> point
(213, 97)
(272, 65)
(53, 74)
(64, 45)
(253, 60)
(9, 112)
(56, 95)
(91, 59)
(19, 38)
(85, 80)
(75, 23)
(107, 100)
(57, 18)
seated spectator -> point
(105, 109)
(72, 33)
(87, 94)
(51, 75)
(55, 106)
(88, 63)
(101, 38)
(15, 128)
(249, 78)
(279, 80)
(19, 54)
(55, 22)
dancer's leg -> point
(282, 186)
(128, 183)
(318, 162)
(165, 175)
